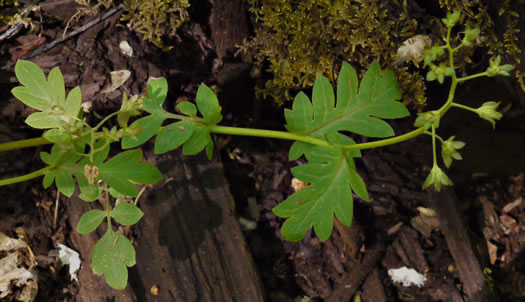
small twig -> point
(140, 194)
(55, 217)
(11, 32)
(72, 34)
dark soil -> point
(387, 232)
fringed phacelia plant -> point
(318, 126)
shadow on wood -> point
(188, 243)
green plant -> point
(297, 40)
(316, 126)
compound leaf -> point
(73, 102)
(358, 111)
(90, 221)
(197, 142)
(187, 108)
(125, 170)
(42, 120)
(56, 84)
(208, 105)
(156, 92)
(148, 126)
(58, 136)
(65, 164)
(173, 136)
(331, 172)
(126, 213)
(35, 92)
(111, 256)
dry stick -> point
(72, 34)
(15, 29)
(55, 217)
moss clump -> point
(156, 19)
(300, 39)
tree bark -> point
(188, 243)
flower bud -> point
(449, 150)
(488, 112)
(437, 178)
(451, 19)
(496, 69)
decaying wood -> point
(460, 247)
(345, 289)
(373, 289)
(91, 288)
(409, 241)
(189, 242)
(229, 25)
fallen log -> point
(189, 244)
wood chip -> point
(510, 206)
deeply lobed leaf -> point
(330, 171)
(358, 110)
(332, 174)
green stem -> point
(22, 178)
(267, 133)
(470, 77)
(386, 142)
(25, 143)
(437, 136)
(434, 157)
(104, 121)
(181, 117)
(465, 107)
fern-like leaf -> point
(331, 171)
(357, 110)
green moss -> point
(156, 19)
(297, 40)
(301, 39)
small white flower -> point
(407, 276)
